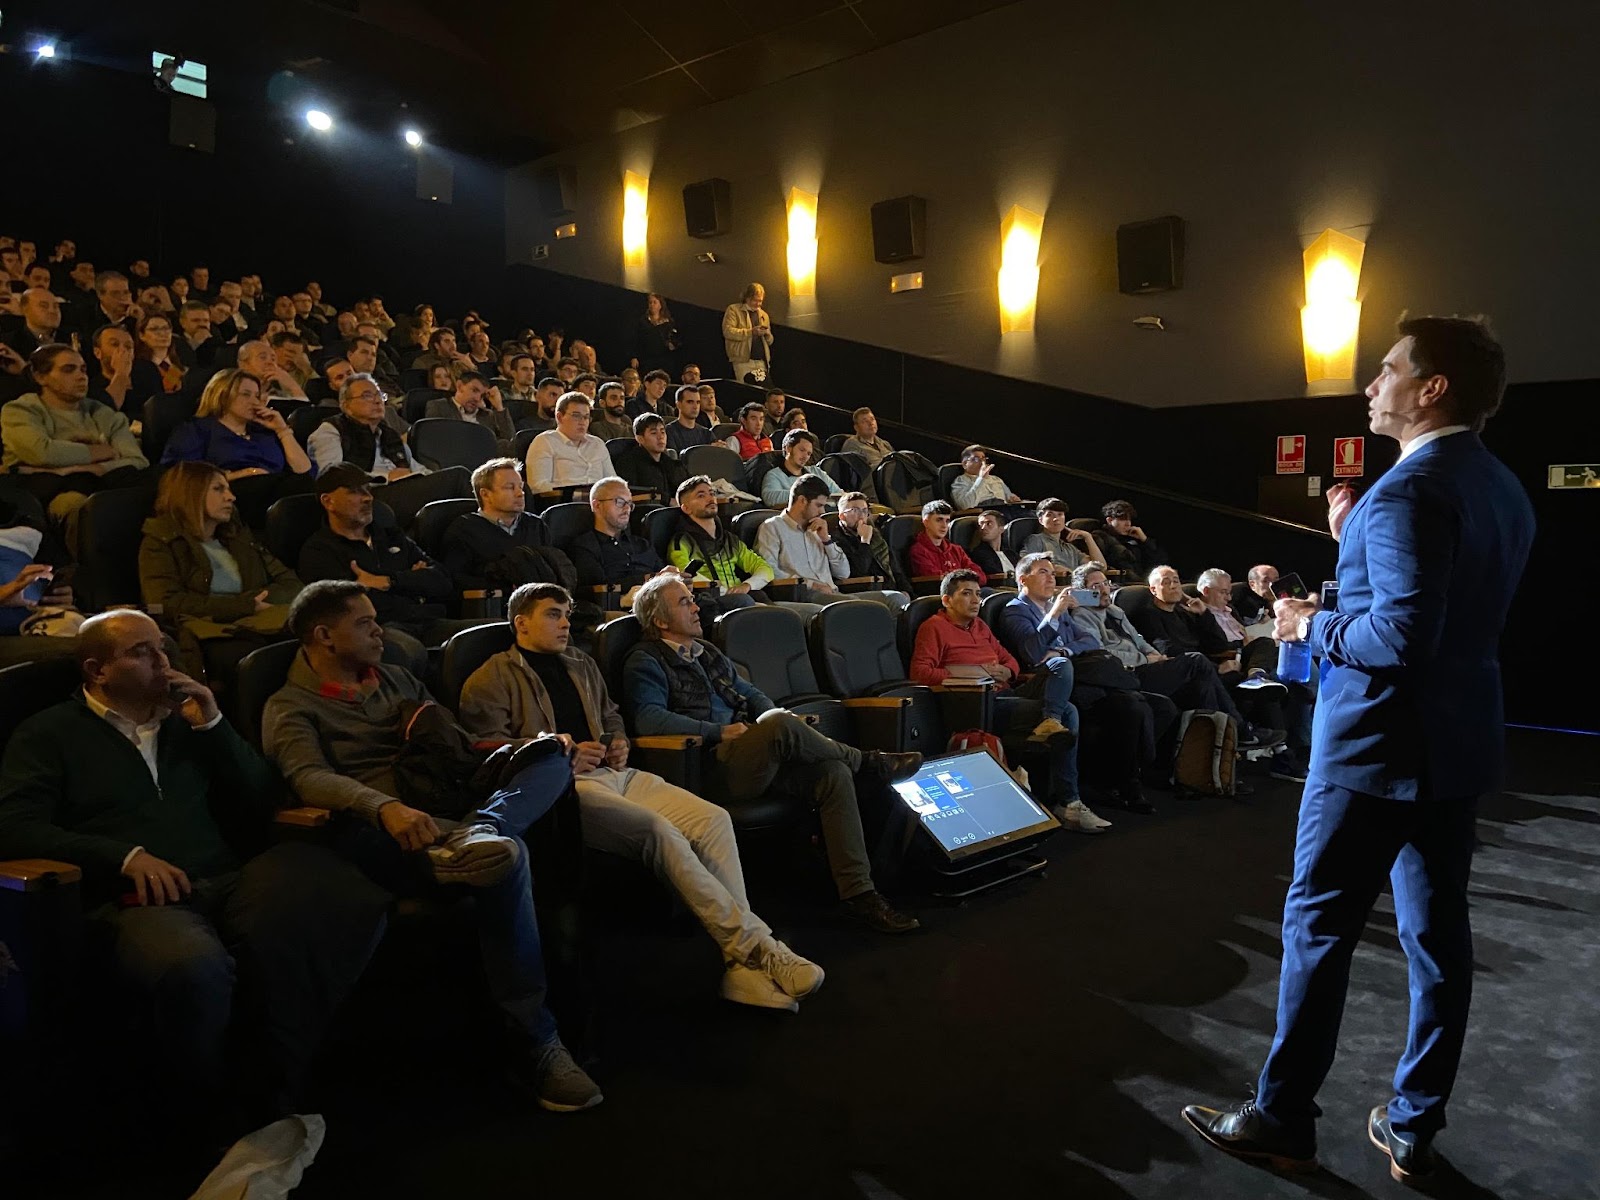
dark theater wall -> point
(1453, 138)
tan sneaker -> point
(1052, 732)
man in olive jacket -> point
(140, 781)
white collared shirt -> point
(554, 461)
(1422, 439)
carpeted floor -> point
(1039, 1041)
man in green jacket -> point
(141, 782)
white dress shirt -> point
(1421, 440)
(554, 461)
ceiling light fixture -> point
(318, 120)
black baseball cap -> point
(343, 475)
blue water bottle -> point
(1294, 662)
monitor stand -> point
(957, 881)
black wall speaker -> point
(556, 189)
(1150, 256)
(193, 124)
(708, 208)
(899, 229)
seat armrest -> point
(674, 757)
(864, 702)
(860, 583)
(304, 817)
(669, 741)
(36, 874)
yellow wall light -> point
(1331, 318)
(635, 217)
(802, 243)
(1019, 269)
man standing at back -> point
(1408, 733)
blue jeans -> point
(508, 927)
(1047, 693)
(1347, 842)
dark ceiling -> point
(505, 80)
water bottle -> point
(1294, 662)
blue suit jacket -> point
(1410, 703)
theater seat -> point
(918, 611)
(768, 645)
(435, 517)
(109, 534)
(414, 405)
(900, 532)
(897, 481)
(303, 422)
(567, 522)
(717, 462)
(948, 474)
(856, 658)
(1133, 598)
(747, 525)
(160, 419)
(849, 471)
(658, 526)
(464, 653)
(989, 612)
(1017, 531)
(262, 672)
(438, 442)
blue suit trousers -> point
(1345, 845)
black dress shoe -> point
(1411, 1159)
(873, 911)
(1131, 797)
(1244, 1133)
(891, 768)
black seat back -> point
(161, 418)
(464, 653)
(964, 532)
(717, 462)
(755, 470)
(435, 517)
(1017, 531)
(439, 442)
(658, 526)
(303, 422)
(616, 445)
(900, 531)
(904, 480)
(261, 673)
(567, 521)
(849, 471)
(1133, 598)
(989, 610)
(524, 439)
(612, 643)
(27, 688)
(747, 525)
(941, 486)
(108, 542)
(414, 404)
(768, 646)
(293, 519)
(911, 619)
(854, 651)
(835, 443)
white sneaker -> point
(747, 985)
(1076, 816)
(795, 976)
(474, 855)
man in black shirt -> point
(408, 589)
(687, 431)
(646, 464)
(650, 396)
(500, 546)
(609, 555)
(610, 418)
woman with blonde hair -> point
(237, 431)
(200, 566)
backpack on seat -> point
(1207, 752)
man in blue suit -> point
(1408, 732)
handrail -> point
(1226, 510)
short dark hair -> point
(1465, 352)
(284, 337)
(1081, 572)
(519, 356)
(657, 374)
(526, 598)
(1051, 504)
(975, 448)
(644, 421)
(549, 381)
(995, 513)
(937, 508)
(808, 487)
(1113, 510)
(43, 360)
(472, 377)
(437, 334)
(688, 389)
(604, 389)
(954, 579)
(798, 435)
(778, 392)
(587, 377)
(320, 603)
(752, 407)
(689, 485)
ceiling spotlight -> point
(318, 120)
(413, 138)
(46, 50)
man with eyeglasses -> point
(863, 544)
(610, 556)
(979, 487)
(568, 455)
(500, 546)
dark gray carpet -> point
(1036, 1042)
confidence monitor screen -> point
(969, 804)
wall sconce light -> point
(570, 229)
(802, 243)
(635, 219)
(1331, 318)
(1019, 269)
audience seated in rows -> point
(611, 416)
(229, 962)
(200, 567)
(675, 682)
(1132, 726)
(989, 552)
(747, 441)
(956, 644)
(237, 431)
(687, 431)
(500, 545)
(335, 731)
(799, 447)
(360, 438)
(797, 544)
(62, 445)
(1068, 548)
(772, 407)
(568, 455)
(1126, 547)
(865, 440)
(651, 396)
(863, 544)
(703, 546)
(932, 553)
(475, 401)
(646, 464)
(979, 487)
(541, 686)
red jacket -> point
(941, 643)
(749, 447)
(928, 559)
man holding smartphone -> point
(1408, 733)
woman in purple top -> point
(235, 430)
